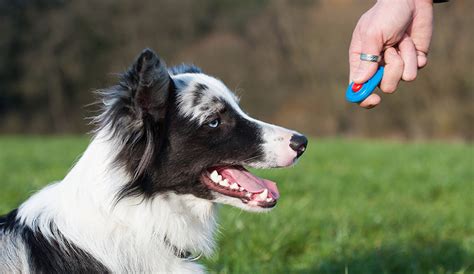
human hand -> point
(400, 29)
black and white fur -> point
(135, 197)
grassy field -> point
(347, 207)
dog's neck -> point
(132, 234)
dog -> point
(169, 144)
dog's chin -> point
(236, 186)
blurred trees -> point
(286, 59)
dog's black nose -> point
(298, 143)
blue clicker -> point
(357, 93)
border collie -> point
(170, 144)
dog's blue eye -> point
(214, 123)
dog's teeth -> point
(268, 200)
(234, 186)
(248, 195)
(241, 189)
(214, 176)
(219, 178)
(224, 183)
(263, 195)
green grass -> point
(347, 207)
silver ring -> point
(369, 57)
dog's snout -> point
(298, 143)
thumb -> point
(370, 44)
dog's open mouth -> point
(238, 182)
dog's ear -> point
(151, 85)
(147, 86)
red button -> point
(356, 87)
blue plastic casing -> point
(367, 88)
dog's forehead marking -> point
(200, 96)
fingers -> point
(421, 30)
(364, 40)
(393, 71)
(394, 68)
(354, 52)
(422, 59)
(410, 58)
(370, 101)
(372, 44)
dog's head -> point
(183, 131)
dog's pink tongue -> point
(248, 181)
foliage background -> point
(286, 59)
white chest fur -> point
(133, 235)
